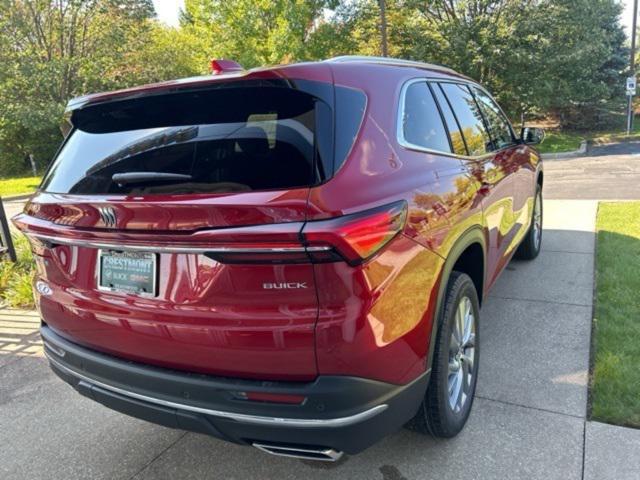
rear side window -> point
(498, 123)
(469, 117)
(222, 140)
(457, 142)
(421, 122)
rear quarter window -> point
(421, 123)
(350, 107)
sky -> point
(627, 16)
(167, 11)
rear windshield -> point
(234, 139)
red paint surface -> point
(372, 320)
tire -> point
(531, 243)
(442, 412)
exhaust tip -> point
(322, 454)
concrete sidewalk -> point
(528, 421)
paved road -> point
(607, 172)
(527, 422)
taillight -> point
(352, 238)
(359, 236)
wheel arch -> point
(465, 251)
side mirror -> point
(531, 135)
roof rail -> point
(389, 61)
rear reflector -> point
(359, 236)
(270, 397)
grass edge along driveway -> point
(615, 381)
(17, 186)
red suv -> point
(290, 257)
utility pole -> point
(633, 67)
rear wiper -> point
(147, 177)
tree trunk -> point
(32, 161)
(383, 28)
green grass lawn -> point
(615, 383)
(555, 141)
(16, 186)
(568, 140)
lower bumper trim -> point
(239, 417)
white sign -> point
(631, 86)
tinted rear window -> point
(469, 117)
(457, 141)
(217, 141)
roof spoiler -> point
(218, 67)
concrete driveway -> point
(528, 420)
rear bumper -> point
(343, 413)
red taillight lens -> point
(359, 236)
(354, 238)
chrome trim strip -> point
(239, 417)
(330, 454)
(114, 245)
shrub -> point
(15, 278)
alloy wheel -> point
(537, 221)
(462, 354)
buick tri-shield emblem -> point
(108, 216)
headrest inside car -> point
(252, 141)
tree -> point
(52, 50)
(255, 32)
(560, 57)
(563, 57)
